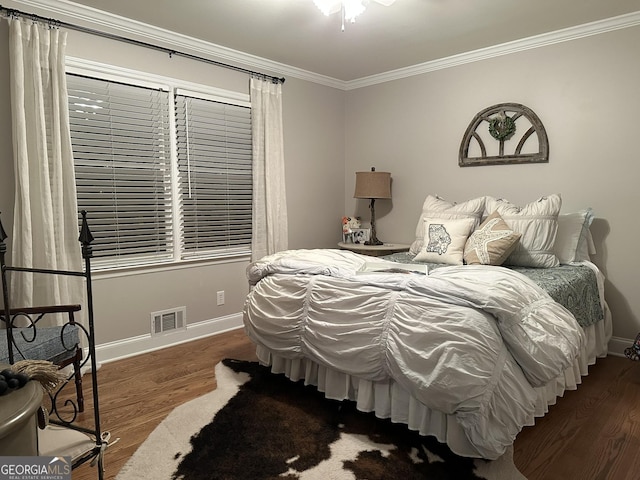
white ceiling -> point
(409, 32)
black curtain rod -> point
(58, 23)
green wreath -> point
(502, 127)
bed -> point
(509, 315)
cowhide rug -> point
(257, 425)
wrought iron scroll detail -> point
(515, 128)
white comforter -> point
(470, 341)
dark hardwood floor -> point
(592, 433)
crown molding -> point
(97, 19)
(537, 41)
(104, 21)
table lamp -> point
(373, 185)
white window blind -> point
(121, 145)
(214, 152)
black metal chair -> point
(61, 345)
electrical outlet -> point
(220, 297)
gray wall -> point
(586, 94)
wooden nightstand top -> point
(374, 250)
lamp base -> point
(374, 242)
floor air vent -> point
(168, 320)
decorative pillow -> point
(573, 241)
(491, 243)
(537, 222)
(444, 240)
(435, 206)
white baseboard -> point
(109, 352)
(617, 345)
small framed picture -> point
(361, 235)
(349, 225)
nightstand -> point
(374, 250)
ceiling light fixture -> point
(349, 9)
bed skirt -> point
(389, 400)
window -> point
(163, 174)
(214, 171)
(121, 148)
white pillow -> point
(444, 240)
(538, 224)
(573, 241)
(435, 206)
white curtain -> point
(45, 227)
(270, 231)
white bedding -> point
(469, 354)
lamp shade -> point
(373, 185)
